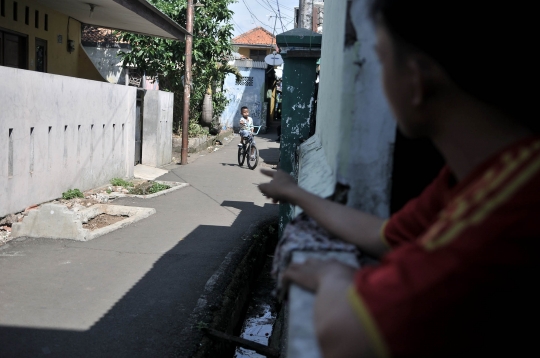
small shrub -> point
(121, 182)
(72, 193)
(157, 187)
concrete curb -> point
(173, 184)
(135, 214)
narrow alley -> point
(138, 290)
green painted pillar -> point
(300, 49)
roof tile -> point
(256, 36)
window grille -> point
(245, 81)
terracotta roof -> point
(256, 36)
(99, 35)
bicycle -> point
(249, 149)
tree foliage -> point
(212, 33)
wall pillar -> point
(300, 48)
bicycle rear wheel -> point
(241, 155)
(252, 163)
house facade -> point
(255, 44)
(62, 125)
(39, 38)
(257, 88)
(249, 92)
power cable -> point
(279, 12)
(253, 15)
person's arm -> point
(339, 332)
(351, 225)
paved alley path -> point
(130, 293)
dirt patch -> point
(103, 220)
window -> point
(37, 19)
(46, 24)
(257, 55)
(13, 50)
(15, 11)
(41, 55)
(2, 7)
(27, 15)
(245, 81)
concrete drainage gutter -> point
(224, 312)
(55, 221)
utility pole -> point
(187, 84)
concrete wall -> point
(354, 123)
(157, 128)
(86, 68)
(239, 96)
(107, 62)
(58, 133)
(369, 129)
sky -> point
(249, 14)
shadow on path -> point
(153, 318)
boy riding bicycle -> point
(246, 130)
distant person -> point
(459, 264)
(246, 130)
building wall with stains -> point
(353, 143)
(247, 93)
(108, 62)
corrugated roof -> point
(256, 36)
(250, 64)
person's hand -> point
(281, 188)
(310, 273)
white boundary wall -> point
(59, 133)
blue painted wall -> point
(239, 96)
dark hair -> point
(244, 107)
(485, 47)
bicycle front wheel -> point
(241, 156)
(253, 152)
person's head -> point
(244, 111)
(436, 52)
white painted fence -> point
(59, 133)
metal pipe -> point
(187, 84)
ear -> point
(427, 79)
(417, 81)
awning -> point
(137, 16)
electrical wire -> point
(279, 13)
(238, 26)
(253, 15)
